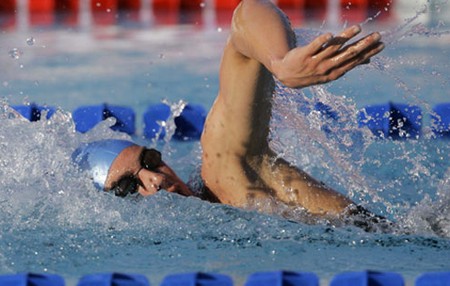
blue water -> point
(52, 220)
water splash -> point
(330, 133)
(175, 111)
(31, 41)
(319, 132)
(412, 27)
(15, 53)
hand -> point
(325, 58)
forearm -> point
(295, 187)
(262, 32)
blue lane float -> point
(34, 279)
(189, 125)
(154, 117)
(86, 117)
(392, 120)
(113, 279)
(440, 120)
(197, 278)
(434, 279)
(389, 120)
(275, 278)
(326, 110)
(283, 278)
(367, 278)
(33, 112)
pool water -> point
(53, 220)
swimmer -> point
(238, 166)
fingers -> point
(339, 71)
(317, 44)
(327, 58)
(358, 49)
(336, 43)
(363, 58)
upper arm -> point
(260, 31)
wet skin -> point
(151, 181)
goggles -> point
(150, 159)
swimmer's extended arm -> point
(238, 165)
(261, 32)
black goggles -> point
(150, 159)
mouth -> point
(168, 185)
(171, 188)
(171, 183)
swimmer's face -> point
(128, 165)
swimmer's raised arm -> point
(238, 166)
(261, 32)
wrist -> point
(279, 71)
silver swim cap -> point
(98, 156)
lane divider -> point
(33, 112)
(275, 278)
(197, 278)
(189, 125)
(112, 279)
(393, 120)
(86, 117)
(441, 119)
(396, 121)
(32, 279)
(369, 278)
(282, 278)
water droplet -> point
(21, 66)
(108, 10)
(219, 29)
(31, 41)
(98, 4)
(15, 53)
(202, 5)
(435, 73)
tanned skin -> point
(238, 165)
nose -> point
(151, 182)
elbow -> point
(247, 8)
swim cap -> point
(98, 156)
